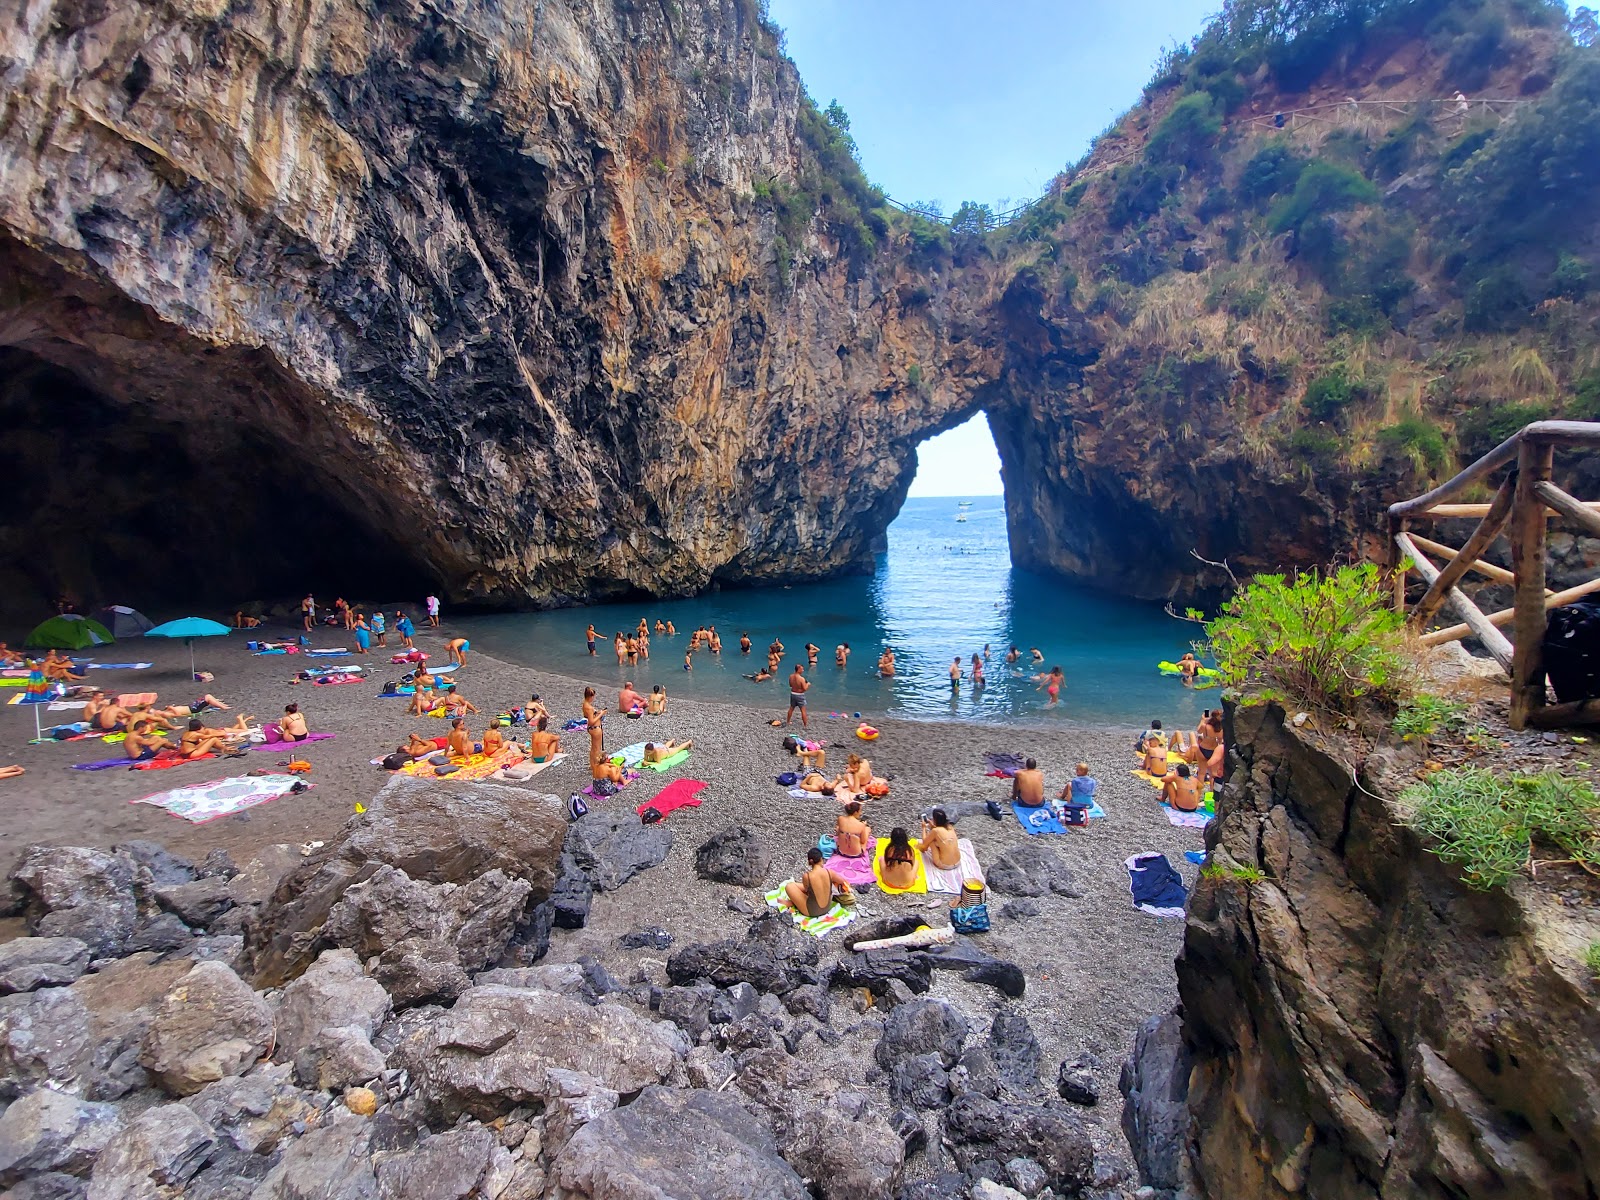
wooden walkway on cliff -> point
(1522, 506)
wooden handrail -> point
(1493, 640)
(1467, 557)
(1564, 504)
(1454, 633)
(1554, 432)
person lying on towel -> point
(851, 835)
(417, 747)
(812, 894)
(655, 752)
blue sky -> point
(959, 101)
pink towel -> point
(680, 793)
(858, 871)
(275, 739)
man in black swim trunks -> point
(797, 695)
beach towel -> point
(325, 653)
(1037, 820)
(575, 723)
(1003, 766)
(527, 768)
(627, 778)
(103, 764)
(950, 880)
(136, 699)
(857, 871)
(1153, 780)
(15, 673)
(821, 926)
(14, 682)
(120, 666)
(276, 743)
(918, 884)
(476, 766)
(65, 705)
(680, 793)
(334, 681)
(208, 801)
(666, 763)
(628, 756)
(1186, 820)
(1157, 888)
(164, 760)
(404, 693)
(1195, 856)
(274, 650)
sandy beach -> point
(1096, 967)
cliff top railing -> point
(1524, 502)
(1365, 112)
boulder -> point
(771, 957)
(436, 832)
(217, 862)
(51, 1131)
(1019, 910)
(339, 1056)
(49, 1185)
(976, 966)
(651, 937)
(919, 1081)
(332, 1161)
(733, 1004)
(255, 882)
(923, 1026)
(846, 1156)
(1155, 1111)
(577, 1100)
(910, 1128)
(676, 1143)
(1030, 871)
(497, 1047)
(875, 970)
(198, 902)
(80, 893)
(1027, 1177)
(989, 1189)
(572, 897)
(210, 1026)
(229, 1174)
(734, 855)
(688, 1007)
(1015, 1053)
(979, 1128)
(586, 979)
(447, 1166)
(30, 962)
(157, 865)
(421, 971)
(1075, 1081)
(161, 933)
(946, 1185)
(612, 847)
(255, 1112)
(161, 1148)
(334, 992)
(810, 1000)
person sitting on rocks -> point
(812, 755)
(851, 835)
(655, 752)
(812, 894)
(1027, 785)
(899, 860)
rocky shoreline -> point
(449, 923)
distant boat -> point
(965, 504)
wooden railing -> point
(1523, 504)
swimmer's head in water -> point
(813, 856)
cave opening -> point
(959, 470)
(170, 508)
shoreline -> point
(1096, 968)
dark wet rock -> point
(256, 1112)
(1027, 1176)
(811, 1000)
(732, 1003)
(1075, 1081)
(688, 1007)
(734, 855)
(748, 1033)
(771, 957)
(49, 1185)
(333, 993)
(883, 927)
(976, 1072)
(913, 1134)
(161, 933)
(497, 1047)
(979, 1128)
(80, 893)
(1019, 910)
(919, 1081)
(946, 1185)
(613, 847)
(1030, 871)
(676, 1143)
(446, 1166)
(976, 966)
(1155, 1112)
(845, 1156)
(435, 832)
(217, 864)
(161, 1148)
(923, 1026)
(229, 1174)
(197, 902)
(651, 937)
(573, 895)
(51, 1131)
(30, 962)
(1015, 1052)
(875, 970)
(163, 868)
(211, 1025)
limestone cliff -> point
(1359, 1023)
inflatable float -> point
(1172, 668)
(866, 732)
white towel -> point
(952, 879)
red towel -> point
(164, 760)
(680, 793)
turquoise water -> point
(943, 588)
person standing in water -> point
(841, 654)
(955, 673)
(744, 643)
(977, 673)
(589, 635)
(812, 650)
(797, 696)
(1052, 684)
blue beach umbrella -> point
(189, 628)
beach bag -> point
(992, 807)
(877, 788)
(827, 845)
(971, 917)
(394, 762)
(576, 807)
(652, 816)
(1076, 814)
(788, 779)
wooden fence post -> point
(1527, 532)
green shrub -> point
(1249, 873)
(1585, 402)
(1326, 640)
(1417, 438)
(1464, 146)
(1272, 169)
(1485, 427)
(1329, 394)
(1140, 190)
(1318, 445)
(1397, 152)
(1591, 959)
(1187, 133)
(1570, 280)
(914, 375)
(1424, 716)
(1322, 188)
(1354, 314)
(1491, 826)
(1497, 302)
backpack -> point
(993, 809)
(788, 779)
(651, 816)
(576, 806)
(394, 762)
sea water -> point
(944, 587)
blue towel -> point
(1157, 887)
(1195, 856)
(575, 723)
(1037, 820)
(259, 653)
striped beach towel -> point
(816, 926)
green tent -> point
(69, 631)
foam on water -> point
(943, 588)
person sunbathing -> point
(143, 742)
(851, 834)
(459, 741)
(99, 703)
(181, 712)
(60, 670)
(457, 705)
(9, 658)
(198, 741)
(1027, 785)
(292, 728)
(655, 752)
(628, 700)
(938, 841)
(493, 740)
(656, 702)
(543, 745)
(1155, 758)
(533, 710)
(423, 700)
(10, 772)
(243, 621)
(816, 781)
(899, 860)
(604, 768)
(812, 894)
(417, 747)
(812, 755)
(1180, 791)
